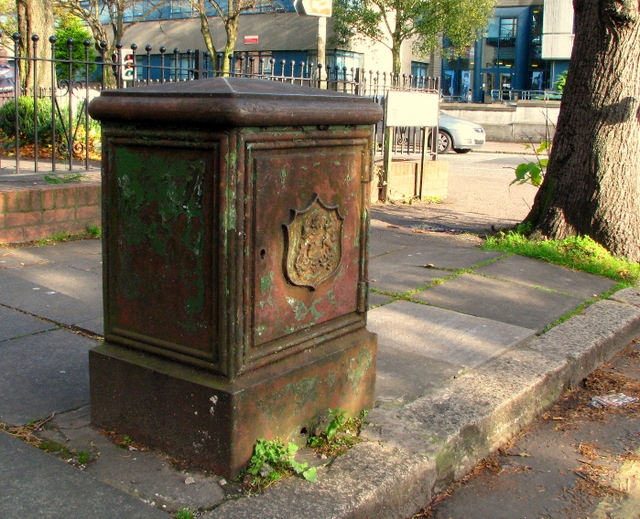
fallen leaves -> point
(27, 433)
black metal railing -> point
(55, 114)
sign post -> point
(323, 9)
(409, 109)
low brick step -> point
(40, 211)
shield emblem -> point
(313, 243)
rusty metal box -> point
(235, 269)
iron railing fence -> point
(55, 116)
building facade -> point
(274, 37)
(525, 48)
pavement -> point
(467, 357)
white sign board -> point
(412, 108)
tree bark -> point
(35, 17)
(592, 184)
(231, 27)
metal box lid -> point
(234, 102)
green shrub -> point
(69, 26)
(26, 121)
(44, 122)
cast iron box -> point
(235, 216)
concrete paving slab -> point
(536, 273)
(403, 376)
(405, 236)
(95, 326)
(380, 247)
(446, 218)
(43, 373)
(62, 294)
(146, 474)
(377, 299)
(35, 484)
(15, 257)
(443, 335)
(502, 301)
(442, 257)
(80, 254)
(16, 324)
(396, 278)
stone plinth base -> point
(404, 180)
(213, 423)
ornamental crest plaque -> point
(313, 243)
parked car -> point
(458, 134)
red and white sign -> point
(252, 39)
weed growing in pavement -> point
(340, 435)
(271, 461)
(123, 441)
(92, 232)
(67, 178)
(576, 252)
(55, 238)
(184, 513)
(27, 433)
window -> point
(508, 29)
(181, 9)
(419, 68)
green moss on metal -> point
(266, 289)
(157, 198)
(359, 367)
(290, 398)
(301, 310)
(266, 284)
(230, 216)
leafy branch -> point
(533, 172)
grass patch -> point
(67, 178)
(576, 252)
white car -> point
(458, 134)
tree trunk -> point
(592, 184)
(231, 26)
(396, 48)
(35, 17)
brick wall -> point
(40, 211)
